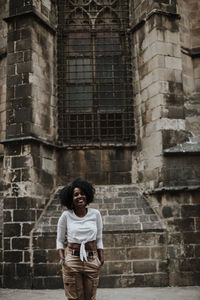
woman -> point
(81, 228)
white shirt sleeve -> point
(99, 231)
(61, 231)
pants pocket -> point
(92, 290)
(70, 287)
(94, 263)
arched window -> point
(94, 72)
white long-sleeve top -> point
(80, 230)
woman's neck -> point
(80, 212)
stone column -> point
(29, 165)
(157, 81)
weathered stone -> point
(156, 236)
(144, 267)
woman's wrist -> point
(61, 262)
(101, 255)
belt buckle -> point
(90, 253)
(76, 252)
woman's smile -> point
(79, 198)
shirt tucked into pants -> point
(81, 278)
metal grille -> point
(94, 72)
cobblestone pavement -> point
(168, 293)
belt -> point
(76, 252)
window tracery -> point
(95, 93)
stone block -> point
(24, 90)
(10, 203)
(130, 219)
(13, 256)
(53, 282)
(14, 58)
(10, 70)
(23, 114)
(144, 266)
(20, 243)
(190, 211)
(118, 212)
(53, 256)
(191, 237)
(46, 242)
(9, 268)
(186, 224)
(173, 63)
(108, 240)
(20, 162)
(196, 197)
(14, 80)
(26, 228)
(10, 47)
(112, 219)
(23, 44)
(40, 256)
(38, 283)
(7, 216)
(12, 229)
(17, 283)
(138, 253)
(156, 280)
(26, 203)
(190, 265)
(24, 67)
(174, 239)
(127, 239)
(114, 254)
(110, 281)
(27, 256)
(23, 270)
(47, 269)
(147, 239)
(119, 268)
(159, 253)
(22, 215)
(14, 35)
(7, 244)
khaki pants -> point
(80, 278)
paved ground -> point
(172, 293)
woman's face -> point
(79, 198)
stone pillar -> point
(157, 81)
(3, 53)
(29, 164)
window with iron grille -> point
(94, 72)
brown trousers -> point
(80, 278)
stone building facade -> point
(108, 91)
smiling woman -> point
(80, 228)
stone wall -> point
(134, 239)
(180, 212)
(3, 54)
(189, 32)
(100, 166)
(149, 241)
(29, 180)
(29, 158)
(158, 86)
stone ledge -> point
(35, 15)
(142, 22)
(183, 149)
(173, 189)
